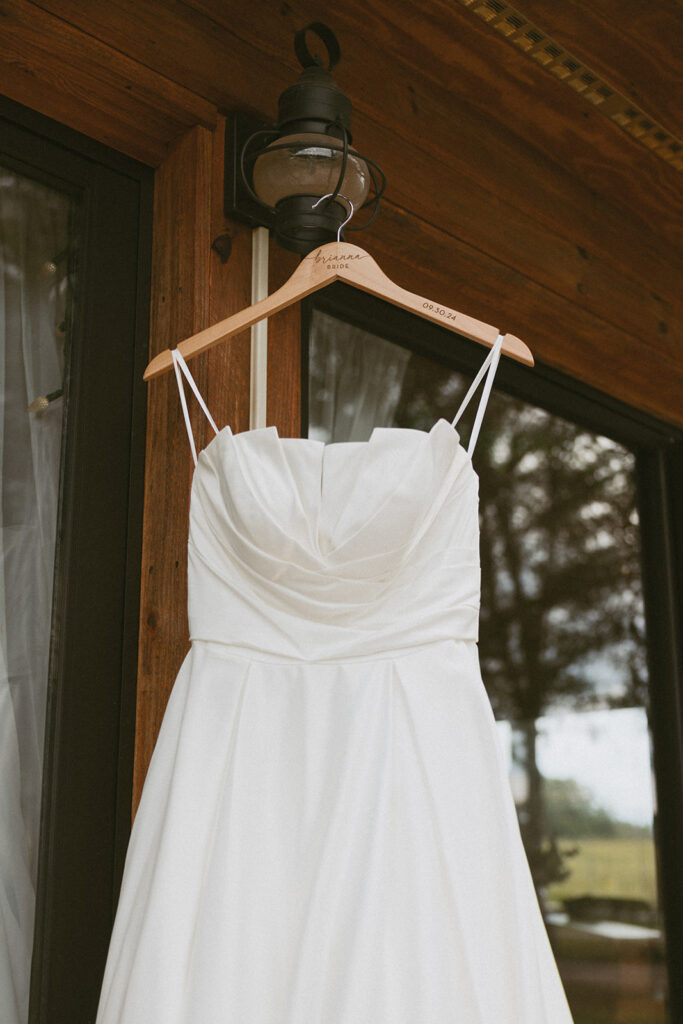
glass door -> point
(563, 646)
(75, 241)
(36, 257)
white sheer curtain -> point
(34, 233)
(355, 380)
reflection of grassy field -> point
(606, 979)
(609, 867)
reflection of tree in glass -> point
(561, 611)
(561, 621)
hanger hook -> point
(333, 195)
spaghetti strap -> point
(178, 365)
(490, 364)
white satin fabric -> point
(327, 833)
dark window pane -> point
(34, 293)
(562, 648)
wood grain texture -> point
(635, 46)
(560, 334)
(569, 263)
(180, 281)
(479, 144)
(435, 72)
(189, 285)
(432, 73)
(48, 64)
(227, 367)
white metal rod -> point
(258, 388)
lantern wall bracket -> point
(238, 201)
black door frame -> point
(658, 450)
(87, 781)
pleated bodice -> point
(299, 549)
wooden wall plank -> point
(226, 379)
(191, 287)
(575, 268)
(634, 46)
(183, 44)
(180, 281)
(69, 75)
(561, 334)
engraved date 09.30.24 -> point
(447, 314)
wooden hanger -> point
(340, 261)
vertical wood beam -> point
(191, 288)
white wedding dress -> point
(327, 833)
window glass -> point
(562, 650)
(34, 291)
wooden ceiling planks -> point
(477, 70)
(567, 337)
(417, 68)
(182, 44)
(464, 210)
(408, 66)
(635, 46)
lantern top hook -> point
(329, 40)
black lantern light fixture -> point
(277, 175)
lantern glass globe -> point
(304, 164)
